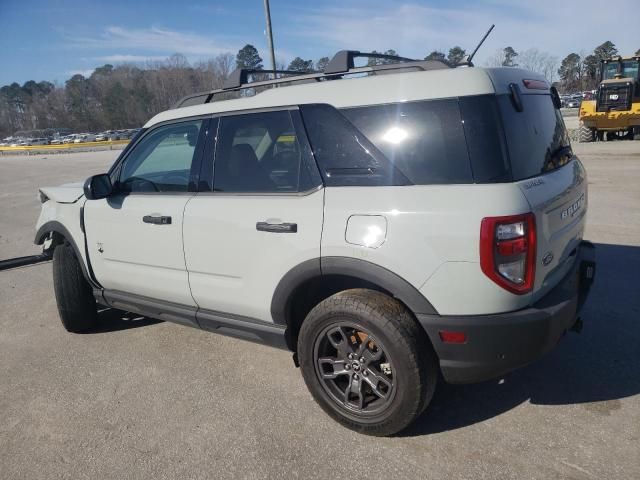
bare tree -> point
(540, 62)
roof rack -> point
(340, 65)
(240, 76)
(343, 60)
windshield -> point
(629, 69)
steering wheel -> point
(176, 179)
(131, 180)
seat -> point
(243, 172)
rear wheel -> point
(367, 362)
(74, 296)
(586, 134)
(636, 133)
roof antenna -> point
(468, 60)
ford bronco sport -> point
(388, 225)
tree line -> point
(576, 72)
(127, 95)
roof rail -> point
(343, 60)
(340, 65)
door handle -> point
(277, 227)
(157, 220)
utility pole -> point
(267, 14)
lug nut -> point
(361, 359)
(347, 366)
(365, 373)
(351, 356)
(355, 377)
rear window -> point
(537, 139)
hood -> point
(67, 193)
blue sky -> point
(52, 40)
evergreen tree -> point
(509, 55)
(248, 57)
(300, 65)
(569, 71)
(322, 63)
(436, 55)
(456, 54)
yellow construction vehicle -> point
(615, 111)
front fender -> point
(62, 232)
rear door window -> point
(262, 153)
(537, 139)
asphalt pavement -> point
(144, 399)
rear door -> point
(551, 178)
(261, 218)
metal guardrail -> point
(65, 146)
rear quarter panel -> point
(432, 239)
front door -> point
(134, 237)
(263, 217)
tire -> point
(74, 296)
(586, 134)
(636, 133)
(399, 361)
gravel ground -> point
(145, 399)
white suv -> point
(387, 224)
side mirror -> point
(98, 186)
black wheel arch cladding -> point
(301, 275)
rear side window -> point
(262, 153)
(344, 154)
(448, 141)
(485, 139)
(537, 139)
(424, 140)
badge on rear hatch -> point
(573, 208)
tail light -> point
(508, 251)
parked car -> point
(574, 103)
(386, 229)
(84, 138)
(38, 141)
(103, 137)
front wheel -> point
(586, 134)
(367, 362)
(74, 296)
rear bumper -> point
(496, 344)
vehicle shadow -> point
(112, 320)
(596, 368)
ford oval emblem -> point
(614, 96)
(548, 257)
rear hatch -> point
(551, 178)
